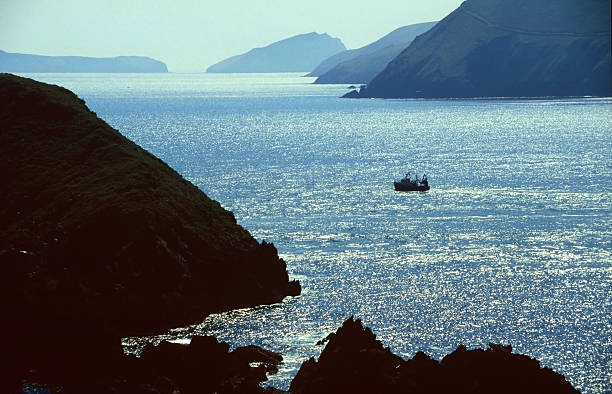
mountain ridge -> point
(495, 49)
(400, 36)
(300, 53)
(31, 63)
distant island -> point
(496, 48)
(301, 53)
(362, 64)
(26, 63)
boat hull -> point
(408, 187)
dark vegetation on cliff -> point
(497, 48)
(101, 239)
(26, 63)
(362, 64)
(294, 54)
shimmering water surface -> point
(512, 244)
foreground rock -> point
(207, 366)
(353, 361)
(100, 239)
(26, 63)
(497, 48)
(204, 366)
(294, 54)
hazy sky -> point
(190, 35)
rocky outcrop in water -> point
(203, 366)
(354, 361)
(207, 366)
(100, 239)
(26, 63)
(497, 48)
(295, 54)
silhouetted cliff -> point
(354, 361)
(24, 63)
(295, 54)
(362, 64)
(493, 48)
(101, 239)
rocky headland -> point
(294, 54)
(496, 48)
(362, 64)
(26, 63)
(100, 239)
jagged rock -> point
(352, 94)
(500, 348)
(207, 366)
(255, 354)
(353, 361)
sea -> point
(512, 244)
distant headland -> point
(26, 63)
(362, 64)
(496, 48)
(301, 53)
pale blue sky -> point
(190, 35)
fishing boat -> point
(406, 184)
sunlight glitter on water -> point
(512, 244)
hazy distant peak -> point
(300, 53)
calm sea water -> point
(513, 243)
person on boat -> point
(424, 180)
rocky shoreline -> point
(353, 361)
(102, 240)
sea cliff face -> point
(295, 54)
(25, 63)
(100, 238)
(362, 64)
(487, 48)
